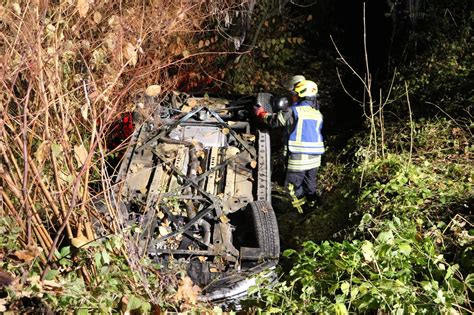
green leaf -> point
(345, 286)
(385, 237)
(93, 244)
(253, 289)
(51, 274)
(98, 259)
(56, 149)
(82, 311)
(340, 309)
(65, 251)
(274, 310)
(137, 304)
(399, 311)
(289, 252)
(340, 264)
(354, 293)
(368, 252)
(105, 257)
(405, 248)
(440, 298)
(469, 281)
(412, 309)
(451, 270)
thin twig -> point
(411, 125)
(25, 166)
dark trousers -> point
(304, 182)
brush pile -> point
(69, 70)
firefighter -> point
(303, 122)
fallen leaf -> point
(66, 178)
(85, 111)
(248, 137)
(52, 285)
(16, 8)
(225, 131)
(34, 280)
(186, 109)
(97, 17)
(224, 219)
(192, 102)
(80, 153)
(200, 154)
(42, 151)
(28, 254)
(163, 230)
(113, 21)
(153, 90)
(186, 53)
(136, 167)
(160, 214)
(82, 7)
(130, 54)
(56, 149)
(187, 291)
(202, 258)
(5, 279)
(231, 151)
(201, 44)
(253, 164)
(80, 241)
(93, 95)
(212, 269)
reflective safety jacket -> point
(306, 135)
(305, 141)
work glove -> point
(260, 112)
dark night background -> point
(406, 37)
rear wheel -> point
(266, 228)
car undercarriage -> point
(196, 180)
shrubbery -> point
(410, 252)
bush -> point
(410, 252)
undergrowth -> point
(410, 251)
(96, 278)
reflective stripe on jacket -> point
(303, 162)
(306, 136)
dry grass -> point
(68, 70)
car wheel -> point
(266, 228)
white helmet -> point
(306, 88)
(293, 81)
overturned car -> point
(196, 179)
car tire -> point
(266, 228)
